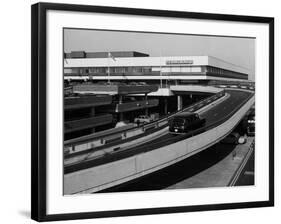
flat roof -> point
(116, 54)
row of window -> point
(97, 70)
(223, 72)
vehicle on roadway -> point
(251, 124)
(243, 87)
(185, 122)
(143, 119)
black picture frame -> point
(39, 122)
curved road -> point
(212, 115)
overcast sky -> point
(239, 51)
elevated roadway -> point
(97, 174)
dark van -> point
(185, 122)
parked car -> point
(121, 124)
(143, 119)
(232, 138)
(142, 83)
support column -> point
(179, 97)
(146, 108)
(120, 99)
(121, 117)
(165, 106)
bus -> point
(185, 122)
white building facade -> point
(172, 68)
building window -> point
(137, 69)
(146, 69)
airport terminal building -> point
(135, 66)
(120, 86)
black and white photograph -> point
(141, 111)
(148, 111)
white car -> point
(121, 124)
(143, 119)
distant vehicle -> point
(142, 83)
(185, 122)
(251, 125)
(251, 87)
(121, 124)
(133, 83)
(222, 86)
(232, 138)
(233, 86)
(129, 98)
(143, 119)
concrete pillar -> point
(120, 102)
(179, 97)
(165, 106)
(120, 99)
(146, 108)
